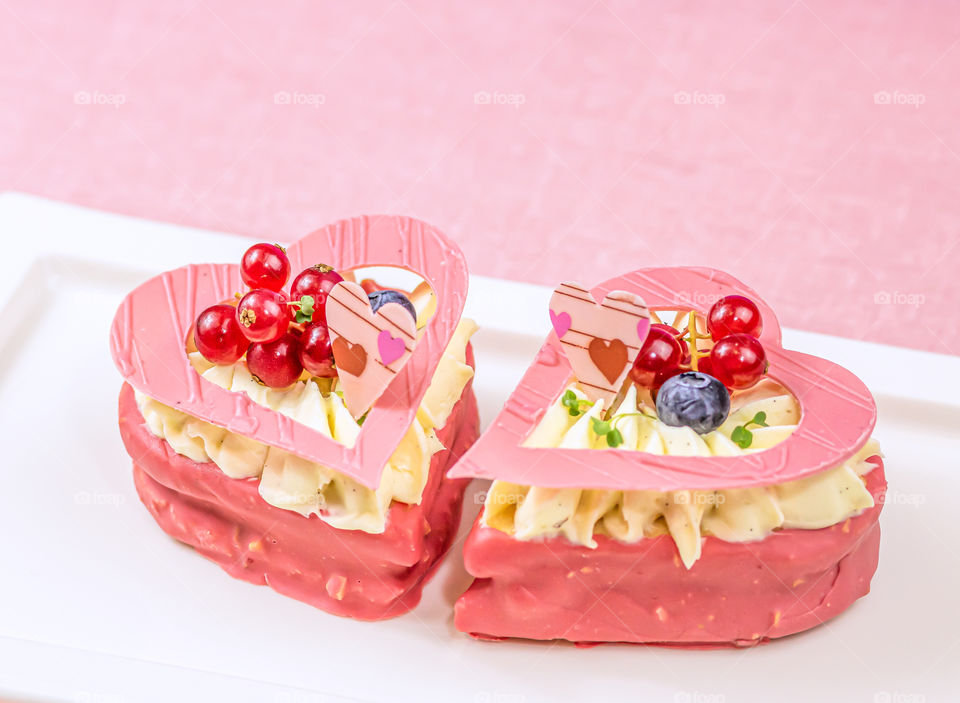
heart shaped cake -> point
(707, 488)
(299, 435)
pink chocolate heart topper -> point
(601, 340)
(149, 331)
(837, 411)
(386, 336)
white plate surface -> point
(97, 604)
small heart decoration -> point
(386, 339)
(601, 340)
(390, 347)
(560, 322)
(149, 332)
(610, 357)
(351, 358)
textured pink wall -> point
(746, 136)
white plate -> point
(97, 604)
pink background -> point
(745, 136)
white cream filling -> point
(292, 483)
(733, 515)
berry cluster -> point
(693, 385)
(281, 334)
(736, 357)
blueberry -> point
(382, 297)
(694, 400)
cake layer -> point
(737, 594)
(346, 572)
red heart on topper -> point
(837, 411)
(383, 339)
(609, 357)
(352, 358)
(601, 340)
(149, 331)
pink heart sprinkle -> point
(561, 323)
(391, 348)
(643, 328)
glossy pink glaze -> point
(345, 572)
(350, 317)
(147, 339)
(579, 320)
(736, 594)
(838, 412)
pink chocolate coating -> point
(738, 594)
(345, 572)
(837, 411)
(149, 332)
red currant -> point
(738, 361)
(734, 314)
(703, 365)
(316, 281)
(277, 363)
(263, 315)
(667, 373)
(316, 352)
(658, 360)
(218, 336)
(673, 331)
(265, 266)
(669, 329)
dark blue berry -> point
(382, 297)
(695, 400)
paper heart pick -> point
(601, 340)
(837, 411)
(369, 347)
(147, 340)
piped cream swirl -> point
(733, 515)
(292, 483)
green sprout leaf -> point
(304, 308)
(606, 429)
(600, 427)
(574, 405)
(742, 436)
(614, 438)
